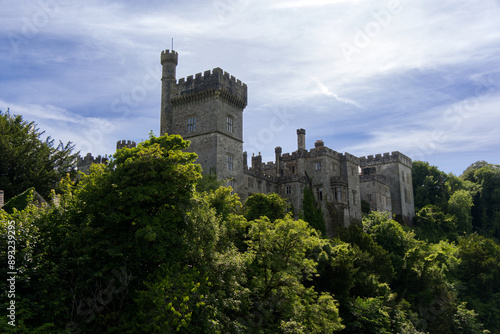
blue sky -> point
(366, 77)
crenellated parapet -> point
(351, 158)
(125, 143)
(169, 56)
(83, 164)
(215, 83)
(385, 159)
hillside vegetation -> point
(147, 245)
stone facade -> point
(207, 109)
(397, 171)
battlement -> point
(215, 83)
(385, 159)
(83, 164)
(125, 143)
(351, 158)
(168, 56)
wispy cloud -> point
(66, 64)
(324, 90)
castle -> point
(207, 109)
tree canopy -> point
(29, 161)
(139, 246)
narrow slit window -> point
(230, 121)
(230, 162)
(191, 124)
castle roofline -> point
(214, 83)
(378, 159)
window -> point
(317, 165)
(338, 193)
(231, 184)
(191, 124)
(288, 190)
(230, 122)
(407, 196)
(319, 193)
(293, 169)
(229, 162)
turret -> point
(169, 63)
(301, 139)
(125, 143)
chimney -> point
(1, 198)
(319, 143)
(301, 139)
(277, 151)
(245, 160)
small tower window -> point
(317, 165)
(319, 193)
(191, 124)
(288, 190)
(230, 121)
(229, 162)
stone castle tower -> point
(207, 110)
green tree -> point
(460, 205)
(429, 185)
(125, 219)
(433, 225)
(312, 213)
(486, 209)
(277, 269)
(479, 272)
(271, 206)
(27, 160)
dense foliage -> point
(134, 247)
(27, 160)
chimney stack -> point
(301, 139)
(277, 152)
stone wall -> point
(397, 169)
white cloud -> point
(87, 55)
